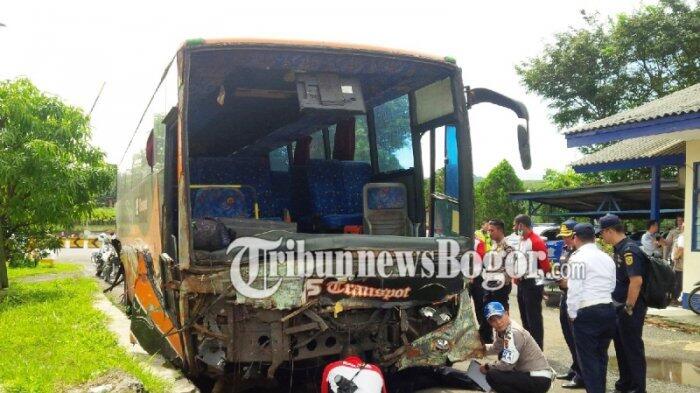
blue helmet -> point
(493, 308)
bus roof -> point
(310, 44)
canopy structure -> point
(623, 199)
(676, 112)
(634, 153)
(652, 135)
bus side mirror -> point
(524, 146)
(479, 95)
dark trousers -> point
(629, 348)
(477, 293)
(499, 295)
(516, 382)
(530, 305)
(594, 328)
(483, 297)
(567, 330)
(679, 285)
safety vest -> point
(484, 238)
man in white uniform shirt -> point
(590, 307)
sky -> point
(69, 48)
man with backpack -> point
(630, 268)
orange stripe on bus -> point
(147, 298)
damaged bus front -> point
(271, 208)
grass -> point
(51, 338)
(58, 267)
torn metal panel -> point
(289, 295)
(455, 341)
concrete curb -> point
(119, 325)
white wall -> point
(691, 259)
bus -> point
(290, 143)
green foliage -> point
(605, 67)
(393, 133)
(50, 175)
(439, 184)
(492, 194)
(62, 339)
(58, 267)
(108, 195)
(533, 185)
(102, 216)
(555, 180)
(609, 66)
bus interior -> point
(315, 142)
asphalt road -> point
(673, 356)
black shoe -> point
(567, 376)
(575, 383)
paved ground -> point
(672, 340)
(673, 356)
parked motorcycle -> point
(694, 299)
(106, 259)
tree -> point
(108, 196)
(492, 194)
(50, 175)
(606, 67)
(555, 180)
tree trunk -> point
(4, 282)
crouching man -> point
(352, 374)
(521, 365)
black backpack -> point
(659, 283)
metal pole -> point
(655, 208)
(431, 200)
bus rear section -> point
(315, 151)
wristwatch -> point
(629, 309)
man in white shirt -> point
(651, 240)
(677, 258)
(590, 307)
(672, 236)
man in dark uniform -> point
(573, 376)
(630, 263)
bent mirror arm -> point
(479, 95)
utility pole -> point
(97, 98)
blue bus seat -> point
(221, 202)
(385, 209)
(335, 189)
(228, 170)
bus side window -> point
(317, 149)
(361, 139)
(451, 160)
(279, 160)
(393, 132)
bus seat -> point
(335, 189)
(281, 191)
(385, 211)
(300, 207)
(355, 175)
(228, 170)
(220, 202)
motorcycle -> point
(106, 259)
(694, 299)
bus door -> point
(443, 186)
